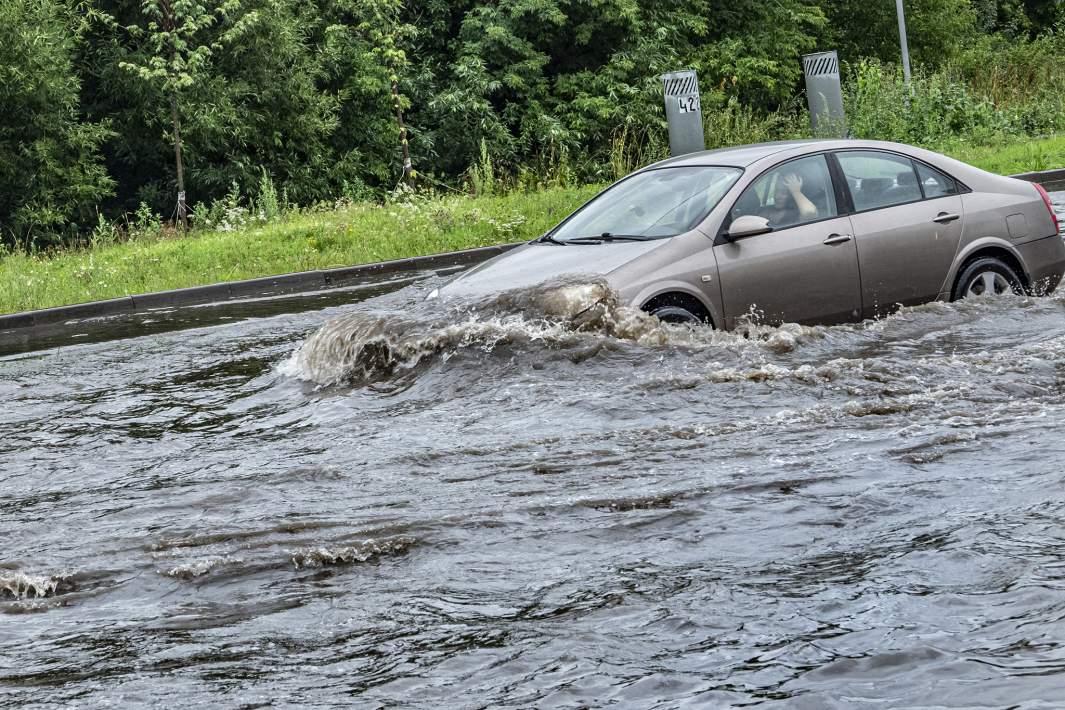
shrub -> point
(51, 173)
(933, 108)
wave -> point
(19, 585)
(370, 346)
(199, 568)
(348, 554)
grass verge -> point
(354, 234)
(351, 234)
(1015, 156)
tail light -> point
(1050, 207)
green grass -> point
(354, 234)
(1014, 156)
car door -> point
(907, 220)
(806, 269)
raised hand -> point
(793, 182)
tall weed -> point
(727, 122)
(145, 222)
(634, 146)
(267, 205)
(483, 173)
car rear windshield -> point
(662, 202)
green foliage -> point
(533, 78)
(729, 122)
(171, 38)
(267, 205)
(994, 88)
(51, 171)
(482, 173)
(104, 233)
(296, 103)
(1022, 79)
(225, 214)
(245, 80)
(145, 222)
(879, 105)
(1018, 18)
(937, 30)
(632, 147)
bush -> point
(933, 108)
(728, 122)
(51, 173)
(997, 87)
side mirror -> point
(748, 225)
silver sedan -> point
(805, 231)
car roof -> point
(743, 155)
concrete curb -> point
(1042, 176)
(267, 286)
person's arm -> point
(807, 209)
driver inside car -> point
(790, 205)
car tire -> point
(676, 314)
(986, 276)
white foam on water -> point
(200, 567)
(19, 585)
(368, 346)
(349, 554)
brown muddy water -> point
(388, 502)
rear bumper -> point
(1044, 260)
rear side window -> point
(935, 183)
(879, 179)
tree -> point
(51, 170)
(244, 79)
(364, 63)
(530, 77)
(177, 60)
(385, 29)
(937, 30)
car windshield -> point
(655, 203)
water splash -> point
(201, 567)
(19, 585)
(349, 554)
(370, 346)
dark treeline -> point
(95, 95)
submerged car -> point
(808, 231)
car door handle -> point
(943, 217)
(837, 238)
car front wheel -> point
(676, 314)
(986, 276)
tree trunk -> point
(408, 169)
(170, 25)
(182, 214)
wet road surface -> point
(493, 506)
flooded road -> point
(491, 506)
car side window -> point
(879, 179)
(935, 183)
(794, 193)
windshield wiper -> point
(547, 239)
(609, 237)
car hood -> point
(534, 263)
